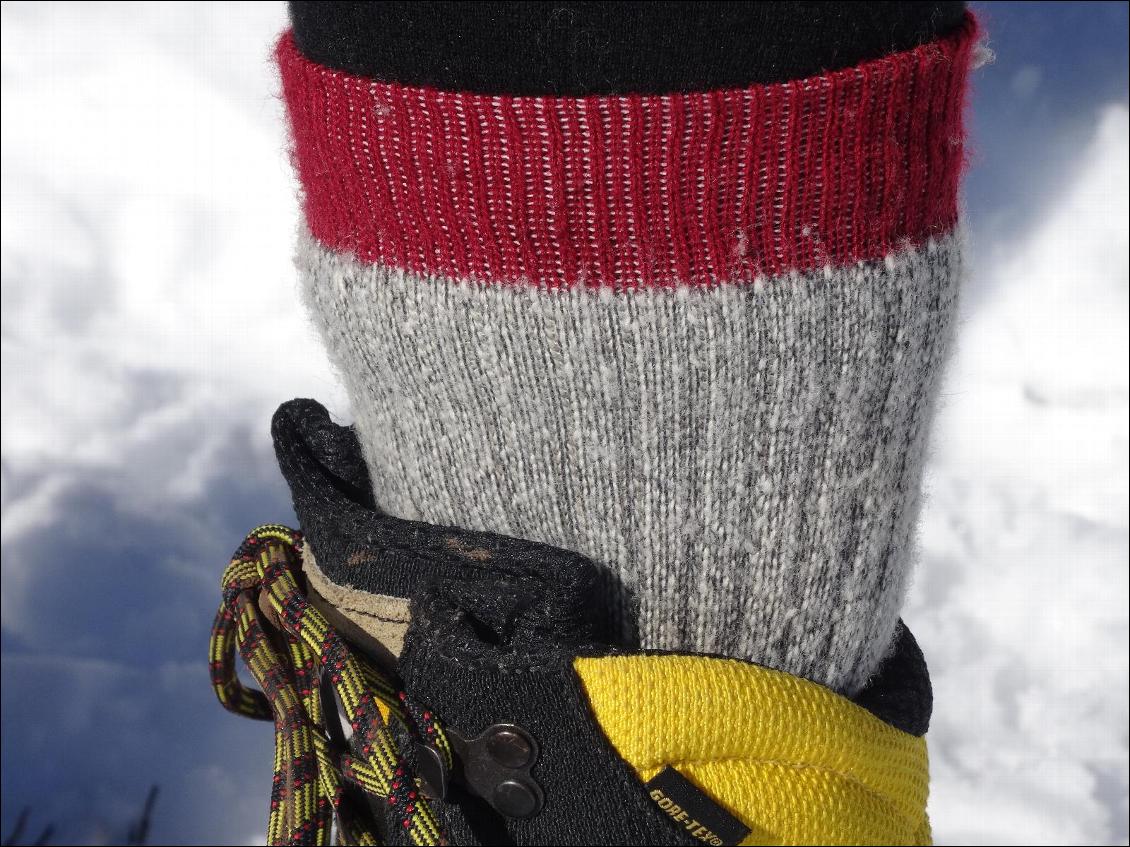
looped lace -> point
(292, 652)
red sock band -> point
(629, 191)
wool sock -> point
(690, 328)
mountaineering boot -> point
(484, 703)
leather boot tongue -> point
(501, 588)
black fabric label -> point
(688, 808)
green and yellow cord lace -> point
(292, 652)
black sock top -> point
(579, 48)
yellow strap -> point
(796, 762)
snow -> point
(1021, 599)
(151, 322)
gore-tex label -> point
(686, 805)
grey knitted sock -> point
(746, 460)
(695, 337)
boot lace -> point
(324, 786)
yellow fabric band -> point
(794, 761)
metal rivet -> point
(509, 748)
(515, 799)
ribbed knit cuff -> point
(629, 191)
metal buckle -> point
(495, 765)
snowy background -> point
(151, 325)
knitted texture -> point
(635, 190)
(793, 761)
(757, 505)
(582, 48)
(694, 337)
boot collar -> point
(482, 596)
(514, 585)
